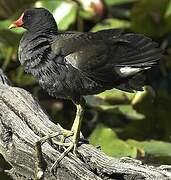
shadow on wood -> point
(23, 123)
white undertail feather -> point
(128, 71)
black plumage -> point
(73, 64)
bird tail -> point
(138, 54)
(138, 51)
(135, 83)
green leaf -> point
(69, 17)
(116, 96)
(111, 23)
(9, 8)
(147, 96)
(50, 5)
(153, 147)
(110, 144)
(95, 101)
(130, 112)
(148, 17)
(116, 2)
(64, 12)
(168, 11)
(102, 105)
(85, 14)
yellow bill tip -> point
(12, 26)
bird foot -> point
(71, 147)
(65, 134)
(68, 146)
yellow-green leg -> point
(74, 133)
(75, 137)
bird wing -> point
(106, 53)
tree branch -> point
(23, 123)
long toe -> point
(65, 153)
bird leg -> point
(72, 146)
(74, 133)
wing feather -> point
(97, 54)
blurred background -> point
(137, 124)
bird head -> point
(35, 19)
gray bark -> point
(23, 123)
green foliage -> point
(110, 143)
(148, 17)
(8, 8)
(168, 10)
(107, 139)
(69, 18)
(153, 147)
(156, 151)
(63, 11)
(116, 2)
(123, 124)
(111, 23)
(108, 104)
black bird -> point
(72, 64)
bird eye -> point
(28, 16)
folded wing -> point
(109, 55)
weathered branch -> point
(23, 122)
